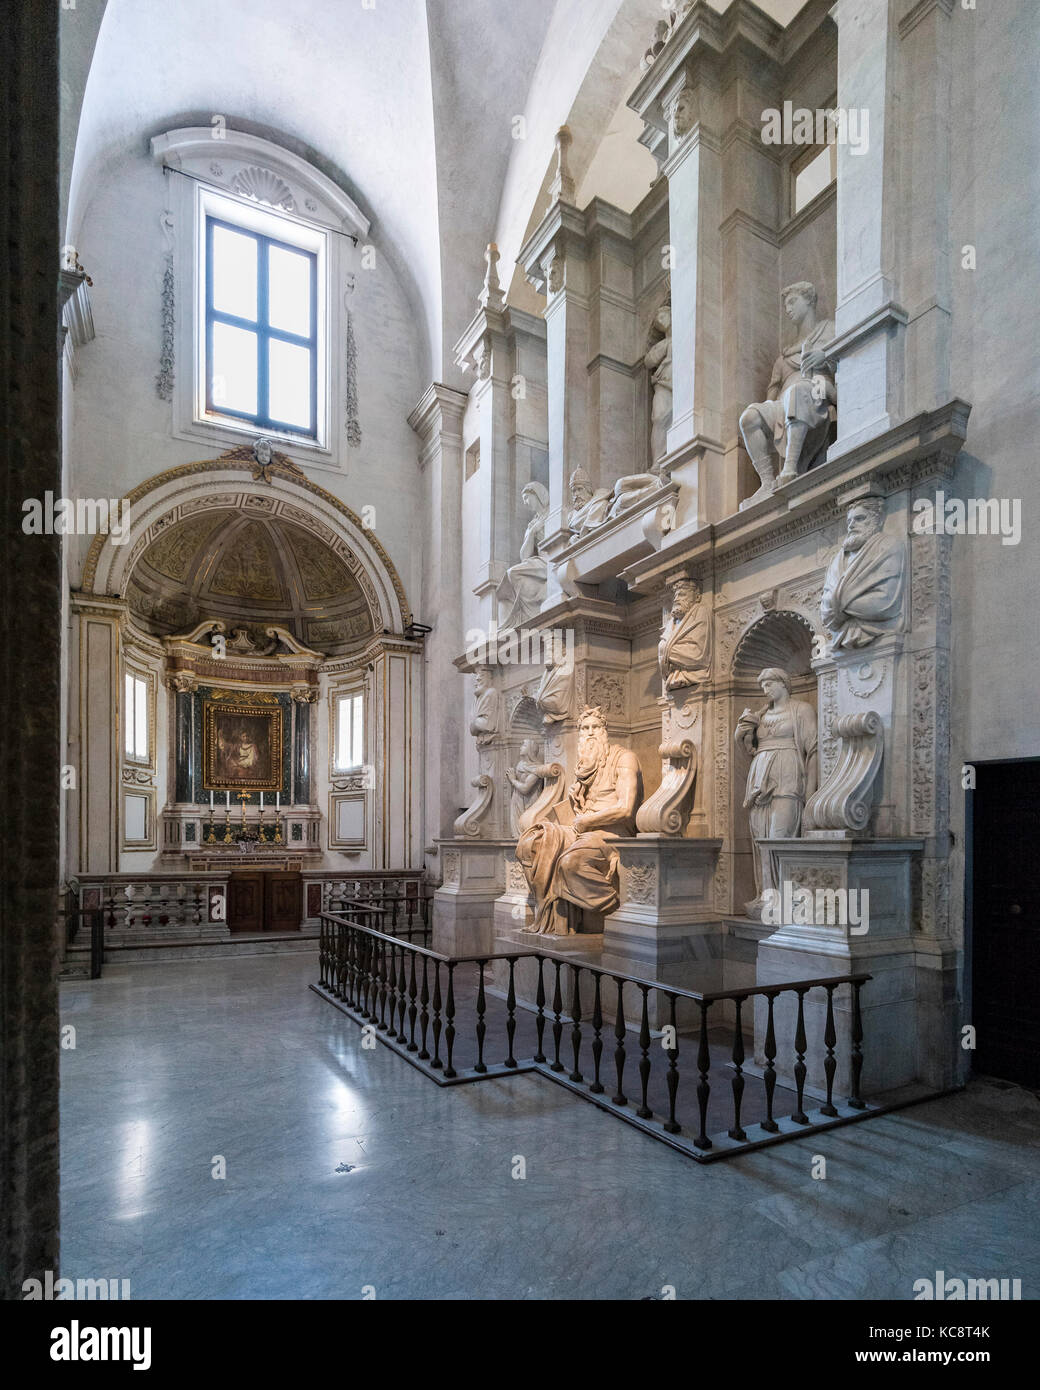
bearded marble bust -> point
(865, 583)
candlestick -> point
(261, 801)
(227, 800)
(211, 839)
(227, 823)
(211, 801)
(277, 801)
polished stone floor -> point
(347, 1170)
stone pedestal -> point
(816, 938)
(463, 906)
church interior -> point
(517, 517)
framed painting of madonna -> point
(242, 748)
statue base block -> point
(844, 907)
(464, 905)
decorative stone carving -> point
(526, 780)
(681, 115)
(589, 506)
(684, 652)
(568, 856)
(863, 590)
(562, 187)
(184, 682)
(491, 296)
(485, 722)
(662, 30)
(304, 694)
(516, 880)
(555, 695)
(353, 424)
(469, 824)
(642, 884)
(792, 421)
(781, 739)
(843, 800)
(668, 809)
(523, 587)
(608, 692)
(451, 865)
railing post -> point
(799, 1116)
(830, 1037)
(644, 1112)
(557, 1028)
(481, 1065)
(424, 1014)
(539, 1026)
(738, 1073)
(769, 1074)
(511, 1012)
(597, 1041)
(436, 1015)
(576, 1023)
(449, 1030)
(672, 1077)
(703, 1085)
(412, 1010)
(855, 1101)
(619, 1097)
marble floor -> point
(348, 1171)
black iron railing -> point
(618, 1040)
(406, 901)
(92, 920)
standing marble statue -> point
(658, 361)
(792, 421)
(684, 652)
(589, 506)
(524, 584)
(863, 590)
(568, 858)
(484, 724)
(556, 691)
(781, 740)
(526, 779)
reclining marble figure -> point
(568, 858)
(589, 505)
(792, 421)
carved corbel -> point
(668, 810)
(183, 682)
(468, 825)
(844, 800)
(551, 793)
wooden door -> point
(283, 901)
(1005, 937)
(246, 902)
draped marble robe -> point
(684, 652)
(863, 591)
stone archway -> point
(236, 482)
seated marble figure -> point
(792, 422)
(568, 858)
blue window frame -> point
(261, 329)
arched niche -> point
(781, 638)
(230, 485)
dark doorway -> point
(261, 901)
(1005, 933)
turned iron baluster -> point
(381, 970)
(597, 1041)
(449, 1019)
(769, 1074)
(412, 1010)
(855, 1101)
(672, 1077)
(830, 1037)
(799, 1116)
(703, 1085)
(480, 1065)
(539, 1024)
(511, 1013)
(644, 1112)
(557, 1028)
(576, 1025)
(402, 992)
(424, 1012)
(738, 1073)
(619, 1098)
(436, 1015)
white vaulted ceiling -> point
(410, 105)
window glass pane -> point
(357, 755)
(342, 730)
(141, 719)
(128, 715)
(812, 179)
(234, 369)
(289, 291)
(289, 387)
(234, 273)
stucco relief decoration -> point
(353, 424)
(263, 186)
(516, 880)
(608, 692)
(451, 866)
(813, 878)
(164, 379)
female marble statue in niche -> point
(658, 362)
(781, 741)
(526, 779)
(524, 583)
